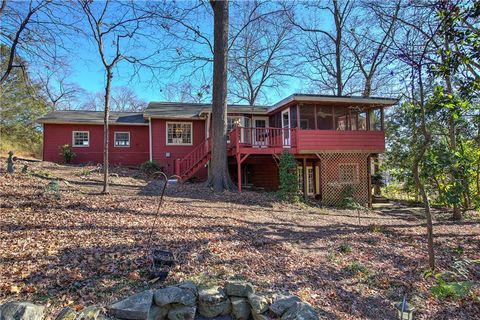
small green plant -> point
(356, 268)
(458, 250)
(376, 228)
(288, 190)
(348, 199)
(453, 284)
(84, 173)
(332, 256)
(150, 167)
(42, 174)
(67, 153)
(345, 248)
(455, 290)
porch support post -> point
(298, 115)
(314, 168)
(239, 172)
(333, 118)
(382, 120)
(369, 178)
(304, 165)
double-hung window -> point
(179, 133)
(122, 139)
(81, 138)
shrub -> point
(450, 289)
(67, 153)
(345, 248)
(356, 268)
(288, 190)
(455, 284)
(348, 200)
(150, 167)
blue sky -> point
(87, 70)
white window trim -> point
(178, 144)
(115, 139)
(82, 146)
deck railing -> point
(263, 137)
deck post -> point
(304, 165)
(298, 115)
(239, 172)
(369, 178)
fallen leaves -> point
(91, 249)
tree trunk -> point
(416, 163)
(426, 205)
(106, 131)
(219, 178)
(338, 47)
(367, 89)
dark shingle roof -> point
(92, 117)
(172, 110)
(346, 100)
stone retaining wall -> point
(237, 300)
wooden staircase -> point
(186, 167)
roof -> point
(180, 110)
(347, 100)
(93, 117)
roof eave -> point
(91, 123)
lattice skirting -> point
(344, 174)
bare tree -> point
(261, 56)
(33, 30)
(187, 92)
(369, 43)
(325, 51)
(219, 177)
(114, 27)
(58, 91)
(124, 99)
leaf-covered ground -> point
(85, 248)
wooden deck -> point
(298, 141)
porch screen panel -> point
(307, 117)
(324, 118)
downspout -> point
(150, 137)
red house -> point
(333, 139)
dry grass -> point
(86, 248)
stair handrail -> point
(194, 156)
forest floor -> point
(85, 248)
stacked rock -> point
(237, 300)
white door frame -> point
(286, 133)
(264, 141)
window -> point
(348, 173)
(122, 139)
(179, 133)
(81, 138)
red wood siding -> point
(160, 147)
(56, 135)
(263, 172)
(332, 140)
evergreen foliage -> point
(288, 190)
(20, 106)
